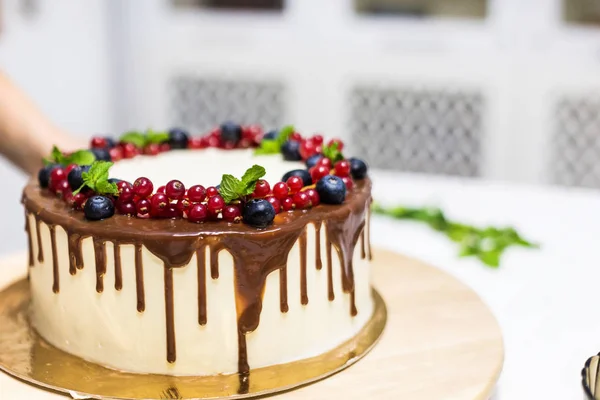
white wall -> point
(59, 55)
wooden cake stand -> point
(440, 341)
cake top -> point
(89, 181)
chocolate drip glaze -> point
(29, 240)
(283, 295)
(75, 253)
(170, 315)
(368, 230)
(55, 284)
(139, 279)
(100, 254)
(201, 259)
(256, 253)
(39, 240)
(363, 255)
(318, 262)
(118, 268)
(303, 283)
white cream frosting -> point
(106, 327)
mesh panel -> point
(418, 130)
(200, 104)
(575, 146)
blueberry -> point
(75, 177)
(110, 142)
(271, 135)
(302, 173)
(258, 213)
(178, 138)
(98, 207)
(44, 175)
(313, 160)
(101, 154)
(291, 151)
(358, 168)
(231, 132)
(331, 189)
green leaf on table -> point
(487, 244)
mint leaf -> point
(251, 176)
(156, 137)
(137, 138)
(230, 188)
(56, 157)
(273, 146)
(81, 157)
(332, 152)
(97, 179)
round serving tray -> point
(440, 341)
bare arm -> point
(26, 135)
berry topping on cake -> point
(143, 187)
(197, 193)
(313, 160)
(101, 154)
(358, 168)
(75, 177)
(98, 207)
(259, 213)
(291, 151)
(231, 133)
(302, 174)
(198, 213)
(174, 190)
(178, 138)
(44, 175)
(331, 190)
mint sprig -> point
(332, 152)
(487, 244)
(79, 157)
(232, 188)
(273, 146)
(142, 139)
(97, 179)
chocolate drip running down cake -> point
(191, 285)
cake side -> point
(217, 298)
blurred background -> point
(492, 89)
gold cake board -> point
(440, 341)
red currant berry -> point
(295, 184)
(301, 200)
(307, 149)
(198, 213)
(79, 200)
(205, 142)
(340, 144)
(317, 139)
(211, 191)
(196, 193)
(342, 168)
(314, 197)
(216, 133)
(143, 208)
(159, 203)
(143, 187)
(326, 162)
(184, 205)
(348, 182)
(68, 198)
(125, 191)
(228, 145)
(296, 137)
(171, 211)
(152, 149)
(244, 143)
(317, 172)
(214, 141)
(116, 154)
(126, 207)
(174, 189)
(161, 189)
(164, 147)
(251, 132)
(56, 176)
(129, 150)
(232, 213)
(262, 189)
(215, 204)
(69, 168)
(275, 203)
(287, 204)
(98, 143)
(280, 190)
(195, 143)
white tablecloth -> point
(547, 301)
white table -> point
(546, 300)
